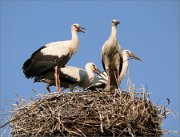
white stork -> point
(112, 57)
(71, 76)
(127, 54)
(52, 56)
(101, 81)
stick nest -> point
(87, 114)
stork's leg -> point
(56, 75)
(107, 71)
(48, 88)
(108, 85)
(119, 80)
(58, 79)
(116, 78)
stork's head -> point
(115, 22)
(130, 55)
(76, 27)
(92, 67)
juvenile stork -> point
(127, 54)
(71, 76)
(52, 56)
(101, 81)
(112, 57)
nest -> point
(88, 114)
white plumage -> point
(71, 76)
(101, 81)
(54, 48)
(52, 56)
(127, 54)
(112, 58)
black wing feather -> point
(121, 63)
(49, 76)
(39, 64)
(102, 60)
(27, 63)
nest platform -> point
(87, 114)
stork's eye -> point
(75, 26)
(94, 66)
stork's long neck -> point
(90, 74)
(75, 41)
(113, 33)
(124, 66)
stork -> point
(71, 76)
(127, 54)
(112, 57)
(52, 56)
(101, 81)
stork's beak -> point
(131, 55)
(117, 22)
(81, 29)
(97, 71)
(103, 74)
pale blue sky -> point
(151, 30)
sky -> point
(149, 29)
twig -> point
(80, 132)
(20, 115)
